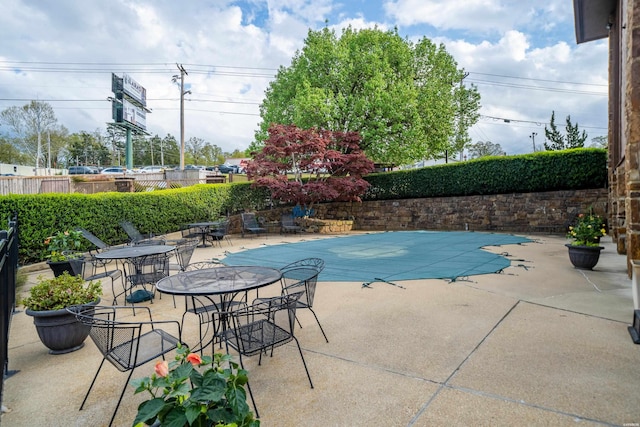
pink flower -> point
(162, 368)
(194, 359)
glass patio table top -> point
(136, 251)
(218, 280)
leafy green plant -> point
(60, 292)
(64, 245)
(587, 230)
(181, 395)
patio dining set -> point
(217, 295)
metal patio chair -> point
(143, 272)
(126, 344)
(221, 233)
(302, 276)
(137, 238)
(262, 326)
(250, 224)
(96, 269)
(183, 253)
(288, 224)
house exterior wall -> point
(629, 33)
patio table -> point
(134, 254)
(203, 228)
(226, 282)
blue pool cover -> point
(389, 256)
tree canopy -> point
(326, 165)
(555, 140)
(405, 99)
(484, 149)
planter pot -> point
(584, 257)
(73, 266)
(59, 330)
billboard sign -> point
(130, 101)
(133, 114)
(133, 89)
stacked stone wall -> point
(518, 212)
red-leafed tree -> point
(326, 165)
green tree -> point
(170, 150)
(601, 141)
(86, 148)
(115, 139)
(404, 99)
(555, 140)
(212, 154)
(10, 154)
(193, 150)
(483, 149)
(29, 124)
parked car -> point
(151, 169)
(115, 171)
(225, 168)
(193, 167)
(81, 170)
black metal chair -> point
(219, 234)
(96, 269)
(144, 271)
(183, 252)
(137, 238)
(317, 263)
(262, 326)
(101, 245)
(125, 344)
(302, 276)
(189, 232)
(288, 224)
(250, 224)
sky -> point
(521, 55)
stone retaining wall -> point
(517, 212)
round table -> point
(218, 281)
(135, 251)
(226, 282)
(203, 229)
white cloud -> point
(147, 38)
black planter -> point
(584, 257)
(59, 330)
(72, 266)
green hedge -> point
(164, 211)
(542, 171)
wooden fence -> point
(97, 183)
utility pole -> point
(162, 153)
(175, 78)
(533, 138)
(48, 152)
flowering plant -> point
(64, 245)
(587, 230)
(181, 395)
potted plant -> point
(181, 395)
(584, 251)
(47, 303)
(64, 253)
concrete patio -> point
(539, 344)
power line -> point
(539, 80)
(506, 120)
(547, 89)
